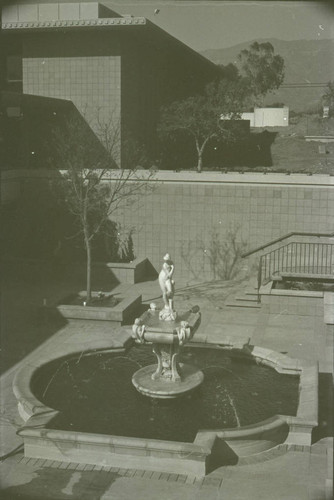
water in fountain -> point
(96, 395)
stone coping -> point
(117, 314)
(127, 265)
(184, 176)
(329, 308)
(123, 265)
(113, 441)
(269, 290)
(38, 415)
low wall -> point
(125, 272)
(104, 274)
(188, 214)
(121, 313)
(114, 451)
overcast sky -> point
(217, 24)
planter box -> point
(121, 313)
(301, 302)
(125, 272)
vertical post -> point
(259, 279)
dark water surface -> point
(94, 393)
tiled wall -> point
(180, 217)
(180, 214)
(92, 83)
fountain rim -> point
(163, 455)
(29, 406)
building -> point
(266, 117)
(122, 68)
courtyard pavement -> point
(33, 333)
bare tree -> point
(223, 252)
(92, 185)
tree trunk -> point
(89, 271)
(200, 162)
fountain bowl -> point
(168, 378)
(191, 378)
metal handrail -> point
(288, 235)
(296, 257)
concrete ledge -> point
(301, 302)
(269, 290)
(120, 313)
(210, 446)
(329, 308)
(126, 272)
(117, 451)
(185, 176)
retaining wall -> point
(186, 209)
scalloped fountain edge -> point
(210, 449)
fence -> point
(298, 259)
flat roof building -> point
(122, 67)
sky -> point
(218, 24)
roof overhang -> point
(73, 24)
(64, 15)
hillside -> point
(306, 61)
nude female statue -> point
(167, 286)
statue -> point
(167, 332)
(167, 285)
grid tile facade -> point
(91, 83)
(181, 217)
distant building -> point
(123, 66)
(266, 117)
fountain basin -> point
(196, 457)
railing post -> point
(259, 280)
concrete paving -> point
(295, 475)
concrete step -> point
(244, 304)
(245, 298)
(251, 292)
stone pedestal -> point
(167, 379)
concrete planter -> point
(302, 302)
(124, 272)
(122, 312)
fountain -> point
(167, 331)
(83, 408)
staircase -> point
(247, 300)
(296, 259)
